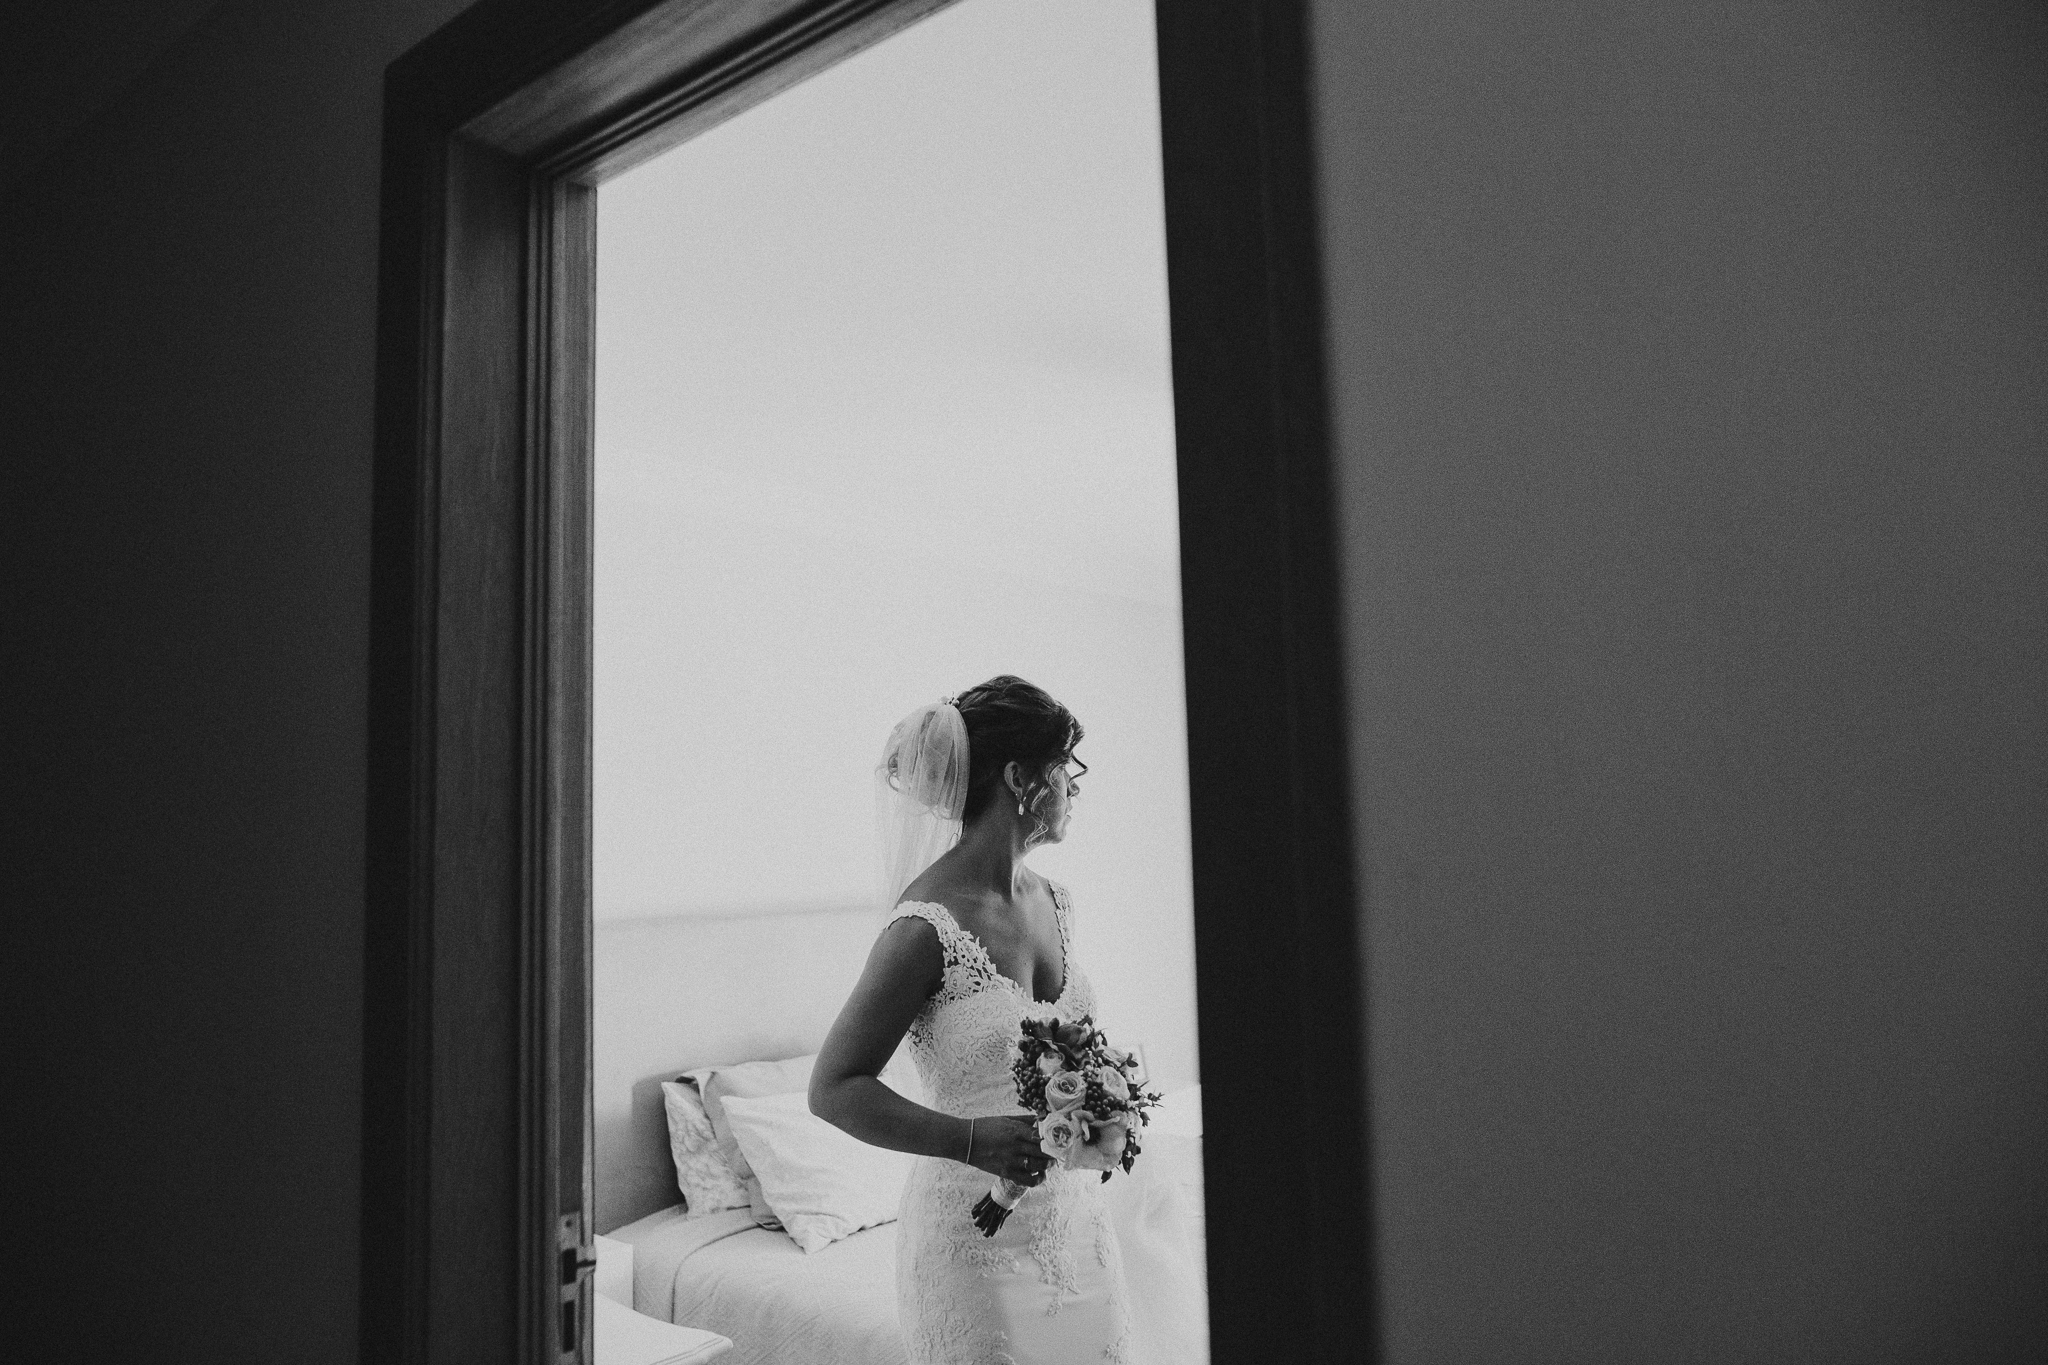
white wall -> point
(883, 411)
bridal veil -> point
(920, 793)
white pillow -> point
(707, 1180)
(1179, 1111)
(748, 1080)
(822, 1183)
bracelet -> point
(970, 1142)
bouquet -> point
(1085, 1096)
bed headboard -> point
(690, 990)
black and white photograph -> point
(1027, 682)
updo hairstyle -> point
(1011, 721)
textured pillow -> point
(703, 1174)
(820, 1182)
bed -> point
(837, 1306)
(779, 1304)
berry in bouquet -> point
(1086, 1098)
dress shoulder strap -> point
(968, 965)
(951, 935)
(931, 912)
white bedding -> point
(780, 1306)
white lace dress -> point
(1048, 1288)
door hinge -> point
(576, 1263)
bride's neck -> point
(990, 854)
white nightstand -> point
(614, 1275)
(628, 1338)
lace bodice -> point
(964, 1040)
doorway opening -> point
(884, 408)
(479, 1204)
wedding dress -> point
(1049, 1288)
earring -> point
(1020, 805)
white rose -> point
(1058, 1132)
(1102, 1151)
(1065, 1090)
(1049, 1063)
(1113, 1083)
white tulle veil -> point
(920, 793)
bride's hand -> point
(1007, 1147)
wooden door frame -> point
(476, 1142)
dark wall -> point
(1689, 375)
(187, 348)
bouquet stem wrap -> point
(997, 1205)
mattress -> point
(780, 1306)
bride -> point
(978, 942)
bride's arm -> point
(903, 971)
